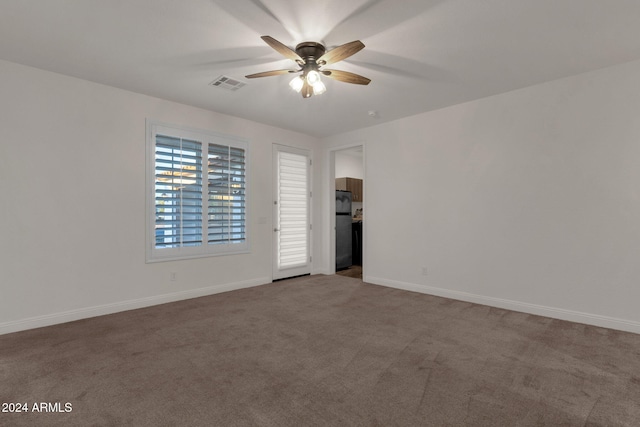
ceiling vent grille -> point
(224, 82)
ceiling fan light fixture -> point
(297, 83)
(319, 88)
(313, 77)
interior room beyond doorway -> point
(349, 182)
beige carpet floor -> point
(322, 351)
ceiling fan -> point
(310, 57)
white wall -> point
(72, 181)
(528, 200)
(349, 164)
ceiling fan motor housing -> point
(310, 52)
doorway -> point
(347, 171)
(291, 203)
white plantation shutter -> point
(178, 192)
(197, 194)
(226, 213)
(293, 215)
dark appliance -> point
(343, 230)
(356, 258)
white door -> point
(292, 225)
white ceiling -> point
(420, 54)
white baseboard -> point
(100, 310)
(556, 313)
(540, 310)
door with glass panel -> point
(292, 224)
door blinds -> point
(293, 215)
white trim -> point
(205, 137)
(540, 310)
(101, 310)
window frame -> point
(205, 138)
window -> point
(197, 194)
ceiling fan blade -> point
(341, 52)
(282, 49)
(269, 73)
(347, 77)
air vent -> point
(224, 82)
